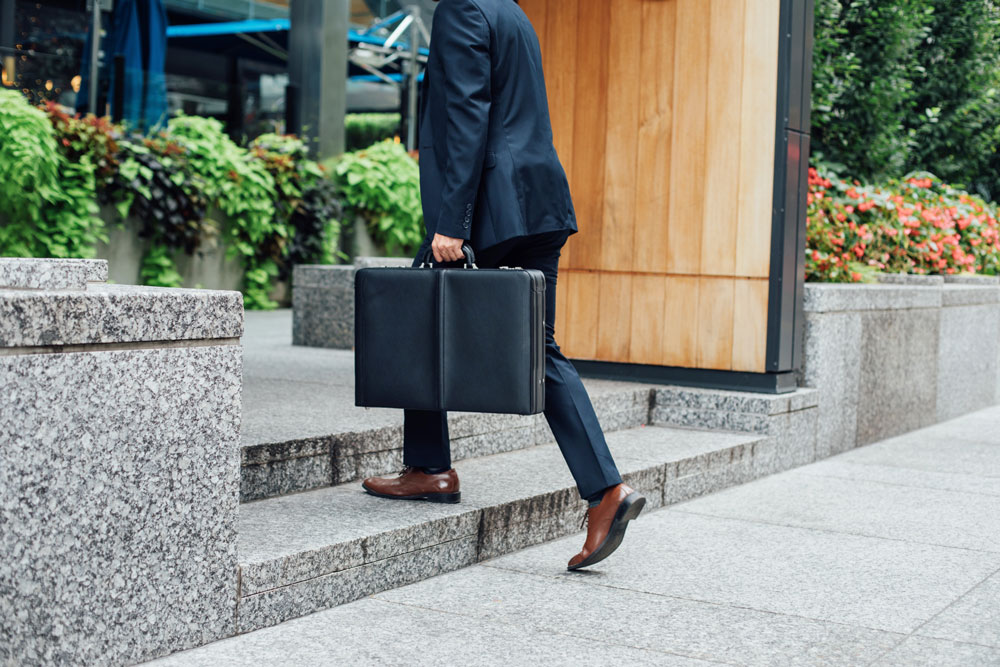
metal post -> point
(411, 112)
(95, 51)
(317, 71)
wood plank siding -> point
(663, 115)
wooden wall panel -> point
(622, 137)
(656, 95)
(715, 323)
(646, 328)
(561, 80)
(680, 322)
(590, 117)
(722, 139)
(758, 108)
(687, 168)
(579, 332)
(663, 115)
(749, 324)
(615, 324)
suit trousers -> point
(568, 409)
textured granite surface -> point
(968, 352)
(832, 360)
(890, 359)
(117, 314)
(278, 468)
(323, 301)
(51, 274)
(897, 389)
(909, 279)
(118, 501)
(299, 555)
(827, 297)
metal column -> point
(317, 72)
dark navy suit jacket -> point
(488, 169)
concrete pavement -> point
(886, 555)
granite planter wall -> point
(119, 482)
(209, 266)
(900, 355)
(323, 302)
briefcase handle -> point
(470, 258)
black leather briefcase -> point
(464, 339)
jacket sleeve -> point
(464, 42)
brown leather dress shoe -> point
(606, 525)
(415, 484)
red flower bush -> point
(917, 225)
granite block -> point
(918, 515)
(496, 442)
(323, 276)
(375, 632)
(714, 399)
(880, 584)
(381, 262)
(961, 294)
(971, 279)
(351, 467)
(117, 314)
(974, 618)
(323, 317)
(909, 279)
(305, 597)
(278, 478)
(832, 362)
(118, 496)
(897, 391)
(51, 274)
(829, 297)
(968, 353)
(945, 448)
(842, 468)
(569, 605)
(284, 541)
(724, 420)
(917, 650)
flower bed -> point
(916, 225)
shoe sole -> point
(450, 498)
(628, 510)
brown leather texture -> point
(414, 482)
(599, 520)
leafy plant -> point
(382, 185)
(49, 202)
(307, 201)
(242, 189)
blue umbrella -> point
(139, 36)
(126, 40)
(153, 23)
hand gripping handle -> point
(470, 258)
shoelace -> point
(586, 519)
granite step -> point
(347, 443)
(310, 551)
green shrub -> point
(382, 185)
(915, 225)
(364, 129)
(904, 85)
(48, 203)
(243, 189)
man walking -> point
(489, 175)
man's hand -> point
(447, 249)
